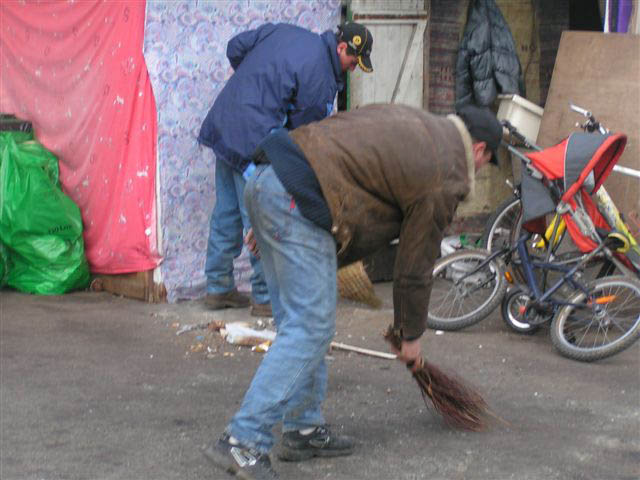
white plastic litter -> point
(450, 244)
(242, 333)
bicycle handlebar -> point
(580, 110)
(591, 125)
(515, 133)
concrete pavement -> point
(94, 386)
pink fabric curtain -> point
(75, 69)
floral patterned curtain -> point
(185, 45)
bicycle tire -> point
(453, 287)
(574, 331)
(511, 316)
(500, 224)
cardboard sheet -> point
(600, 72)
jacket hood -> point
(468, 148)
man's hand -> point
(251, 243)
(410, 354)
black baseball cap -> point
(359, 41)
(483, 127)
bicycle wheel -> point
(512, 310)
(497, 231)
(600, 324)
(461, 296)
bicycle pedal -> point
(538, 320)
(537, 314)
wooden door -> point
(398, 54)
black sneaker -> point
(320, 443)
(245, 463)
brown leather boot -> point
(230, 299)
(261, 309)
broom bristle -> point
(458, 404)
(354, 284)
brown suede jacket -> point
(392, 171)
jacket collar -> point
(468, 149)
(329, 39)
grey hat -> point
(483, 126)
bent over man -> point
(348, 184)
(284, 76)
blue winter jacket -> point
(284, 74)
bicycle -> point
(469, 284)
(596, 319)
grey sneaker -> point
(237, 460)
(261, 309)
(230, 299)
(320, 443)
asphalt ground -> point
(94, 386)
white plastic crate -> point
(522, 114)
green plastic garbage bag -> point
(4, 265)
(40, 226)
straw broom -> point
(354, 284)
(458, 404)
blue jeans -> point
(226, 236)
(299, 262)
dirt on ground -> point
(94, 386)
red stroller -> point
(593, 320)
(590, 319)
(563, 179)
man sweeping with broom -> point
(348, 184)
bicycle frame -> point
(542, 300)
(546, 298)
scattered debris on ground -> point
(259, 335)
